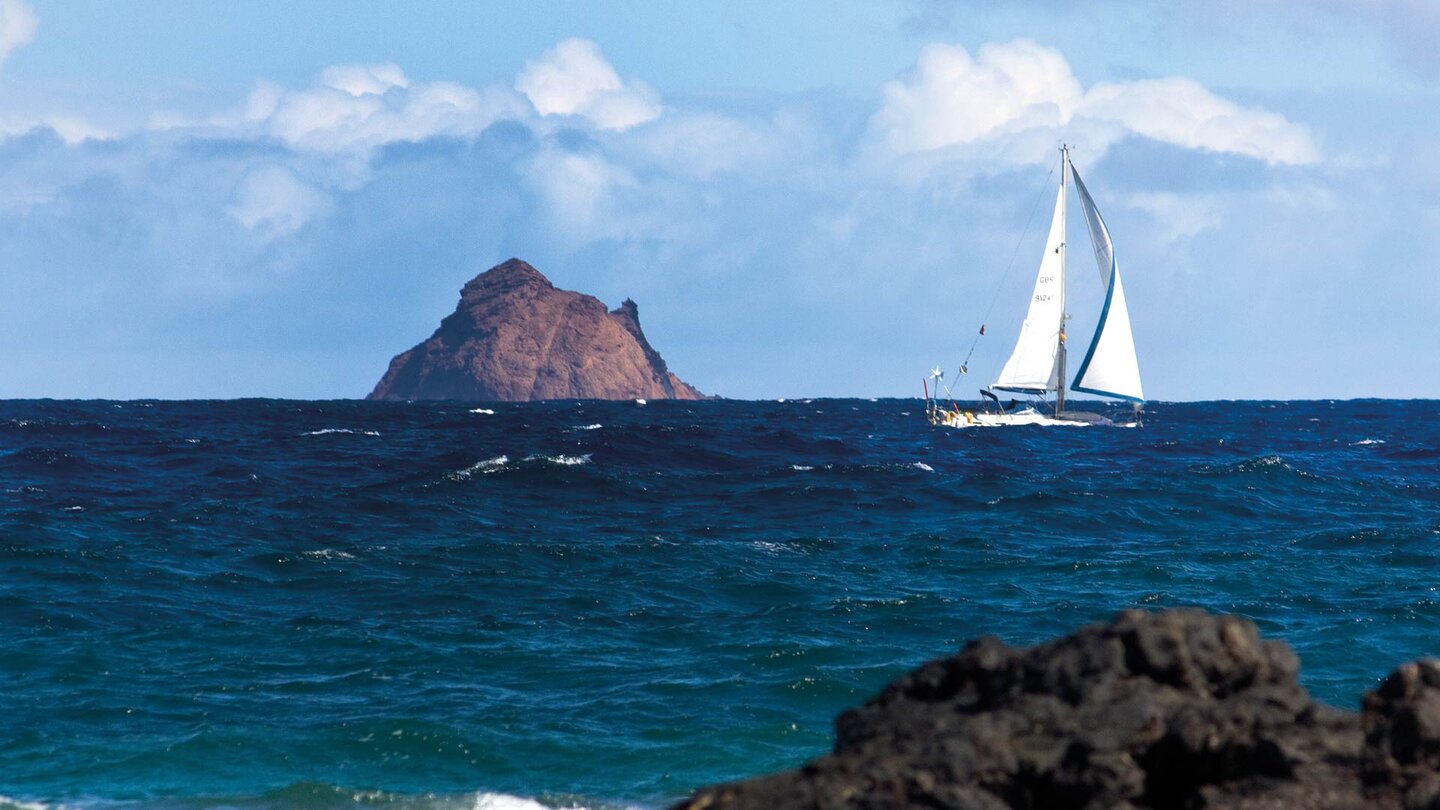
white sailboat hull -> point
(1026, 416)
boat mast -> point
(1060, 356)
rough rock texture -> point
(1175, 709)
(515, 337)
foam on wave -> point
(562, 460)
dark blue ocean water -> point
(297, 604)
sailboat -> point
(1037, 366)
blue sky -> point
(810, 198)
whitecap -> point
(7, 803)
(639, 402)
(1365, 442)
(801, 468)
(485, 411)
(920, 465)
(595, 426)
(328, 431)
(486, 467)
(564, 461)
(74, 509)
(328, 554)
(505, 801)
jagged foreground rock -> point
(515, 337)
(1177, 709)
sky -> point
(815, 198)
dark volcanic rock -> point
(1176, 709)
(515, 337)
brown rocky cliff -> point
(516, 337)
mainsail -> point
(1109, 368)
(1031, 368)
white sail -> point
(1110, 368)
(1099, 234)
(1031, 367)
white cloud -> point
(950, 98)
(365, 106)
(706, 144)
(1176, 217)
(574, 78)
(273, 201)
(17, 26)
(580, 193)
(1010, 93)
(72, 129)
(365, 80)
(1181, 111)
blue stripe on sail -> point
(1106, 393)
(1100, 330)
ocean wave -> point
(595, 426)
(563, 461)
(328, 554)
(47, 459)
(1366, 442)
(505, 801)
(7, 803)
(485, 467)
(321, 796)
(50, 425)
(484, 411)
(328, 431)
(1267, 464)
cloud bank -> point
(17, 26)
(1009, 92)
(574, 78)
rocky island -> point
(1170, 710)
(515, 337)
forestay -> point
(1110, 367)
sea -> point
(286, 604)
